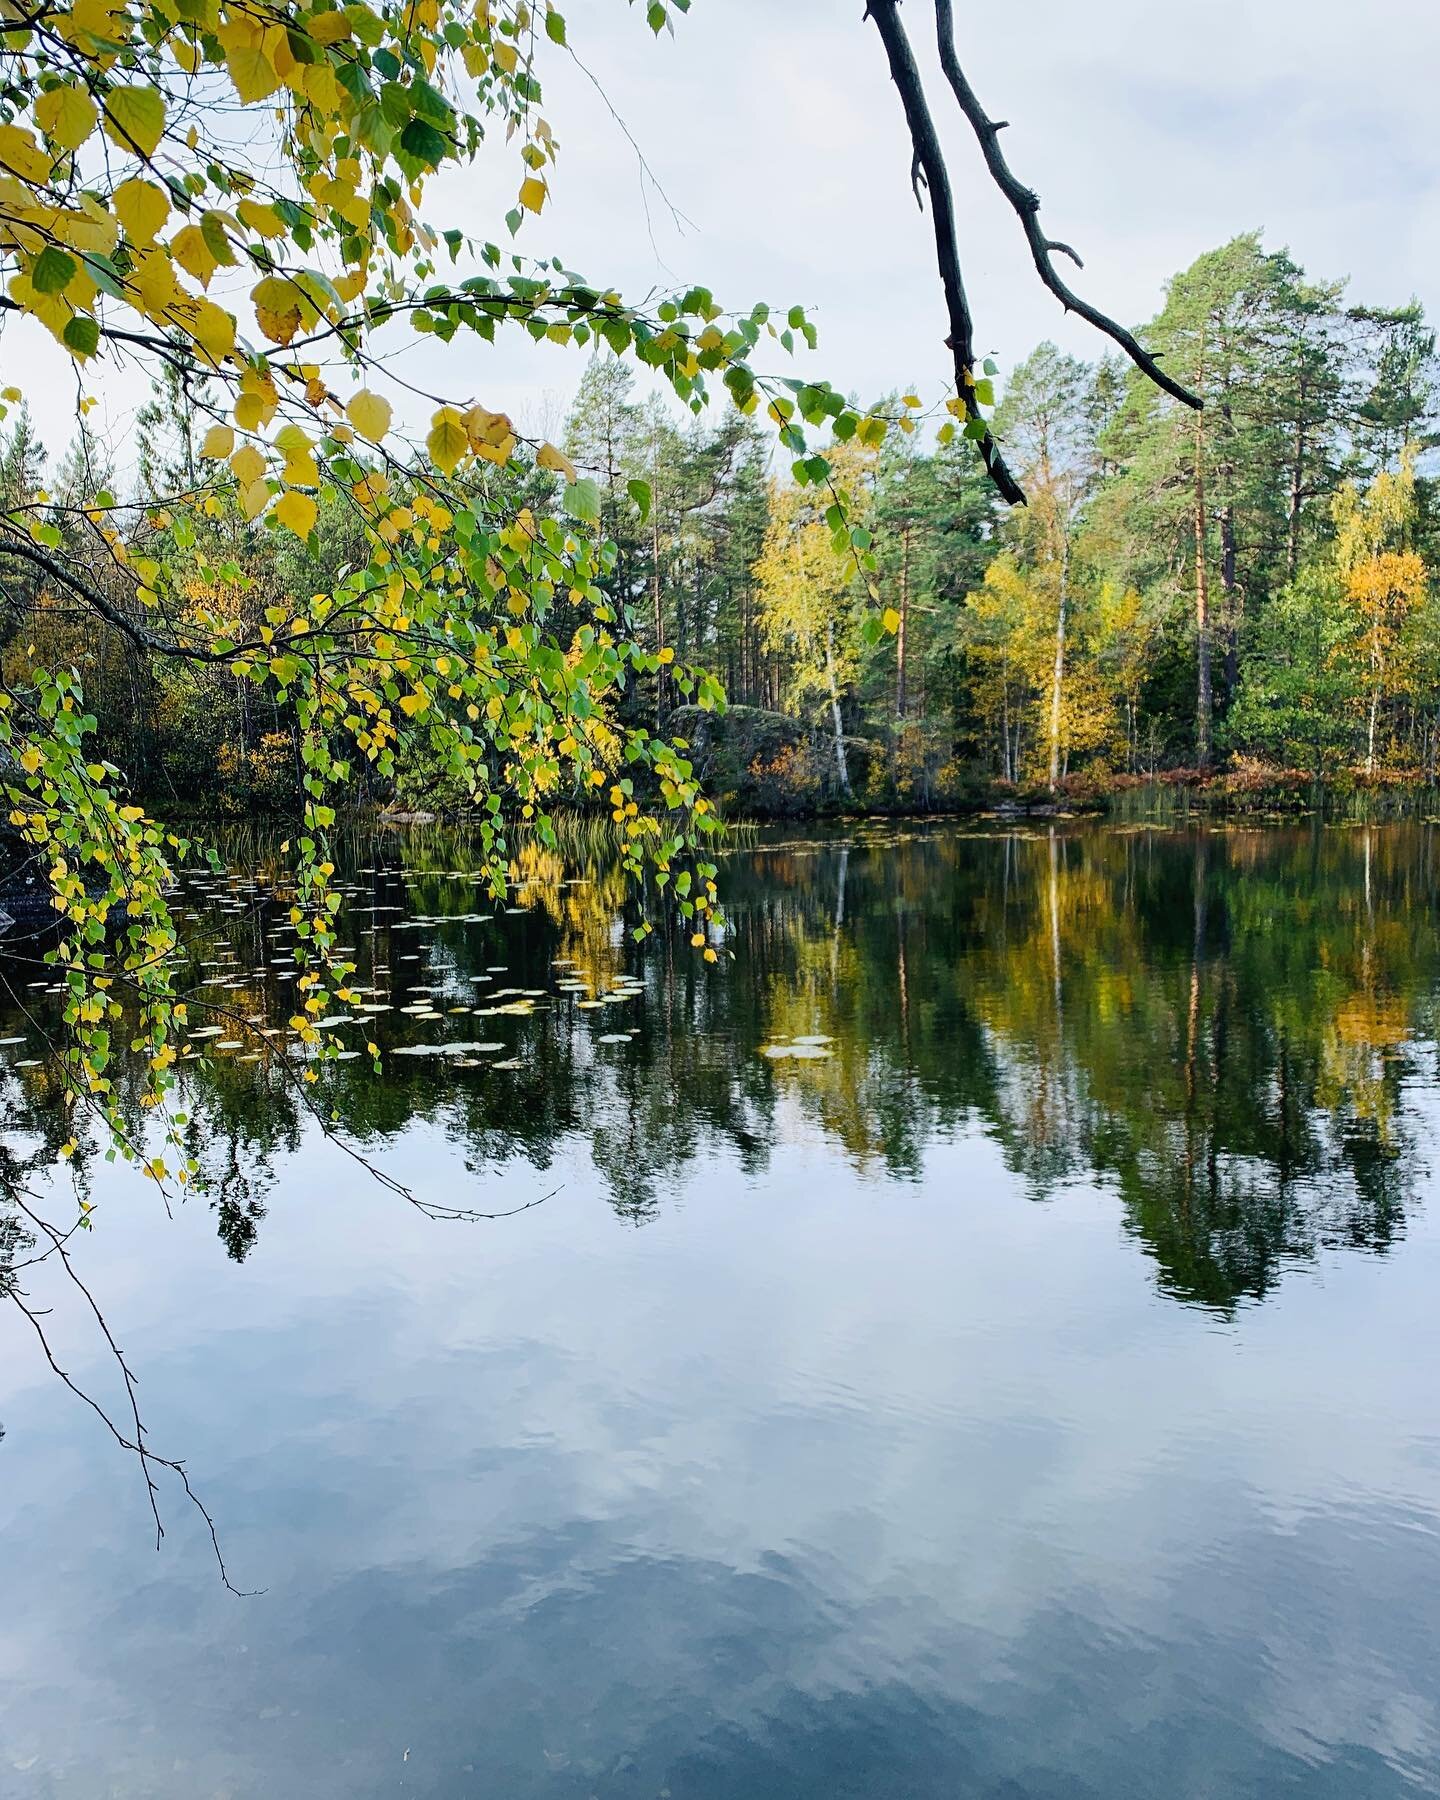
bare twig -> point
(1026, 203)
(929, 160)
(136, 1445)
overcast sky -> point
(1151, 131)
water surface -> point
(1028, 1392)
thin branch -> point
(930, 161)
(136, 1445)
(1026, 203)
(91, 595)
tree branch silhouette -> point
(928, 171)
(929, 167)
(1026, 203)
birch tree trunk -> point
(1058, 682)
(841, 766)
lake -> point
(978, 1339)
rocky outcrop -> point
(768, 764)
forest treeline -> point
(1244, 595)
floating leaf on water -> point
(614, 1037)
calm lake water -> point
(1029, 1392)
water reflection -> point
(921, 1438)
(1221, 1025)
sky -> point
(1151, 132)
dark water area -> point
(978, 1339)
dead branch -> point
(930, 161)
(1026, 203)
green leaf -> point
(555, 27)
(53, 272)
(422, 141)
(639, 492)
(82, 335)
(582, 501)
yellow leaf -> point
(254, 498)
(257, 400)
(66, 115)
(890, 619)
(247, 465)
(411, 704)
(328, 28)
(532, 194)
(486, 427)
(263, 220)
(297, 511)
(142, 208)
(212, 328)
(20, 152)
(95, 18)
(135, 118)
(448, 440)
(278, 302)
(279, 327)
(52, 310)
(252, 73)
(301, 469)
(193, 254)
(218, 443)
(292, 439)
(369, 414)
(548, 457)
